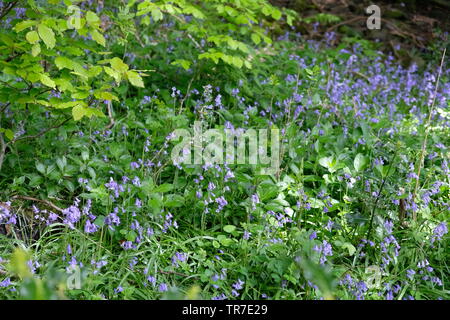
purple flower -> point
(5, 283)
(89, 227)
(163, 287)
(439, 232)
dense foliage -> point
(90, 94)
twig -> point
(48, 203)
(427, 130)
(345, 22)
(40, 133)
(8, 8)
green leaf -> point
(78, 112)
(92, 19)
(157, 15)
(135, 79)
(255, 38)
(47, 35)
(360, 162)
(32, 37)
(118, 65)
(47, 81)
(98, 37)
(229, 228)
(24, 25)
(8, 133)
(63, 62)
(36, 49)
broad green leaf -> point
(98, 37)
(45, 79)
(135, 79)
(47, 35)
(24, 25)
(36, 49)
(360, 162)
(118, 65)
(92, 19)
(78, 112)
(63, 62)
(229, 228)
(255, 38)
(32, 37)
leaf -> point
(104, 95)
(165, 187)
(135, 79)
(360, 162)
(40, 167)
(98, 37)
(118, 65)
(255, 38)
(229, 228)
(47, 81)
(351, 248)
(32, 37)
(78, 112)
(92, 19)
(24, 25)
(36, 49)
(8, 133)
(46, 35)
(157, 15)
(185, 64)
(63, 62)
(276, 14)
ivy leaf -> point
(47, 35)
